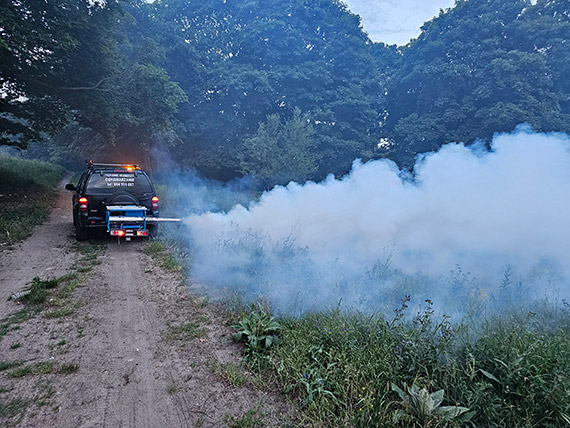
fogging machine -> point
(131, 220)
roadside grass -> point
(251, 419)
(90, 252)
(42, 368)
(61, 312)
(13, 322)
(26, 196)
(358, 370)
(231, 373)
(5, 365)
(60, 290)
(45, 391)
(21, 372)
(11, 408)
(67, 368)
(184, 332)
(162, 255)
(39, 290)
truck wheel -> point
(153, 229)
(81, 234)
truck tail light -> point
(83, 204)
(119, 233)
(155, 202)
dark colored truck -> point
(117, 197)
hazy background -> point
(396, 21)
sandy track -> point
(130, 374)
(123, 382)
(46, 253)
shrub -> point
(258, 330)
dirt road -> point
(120, 342)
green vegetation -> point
(89, 257)
(258, 330)
(58, 290)
(17, 173)
(67, 368)
(45, 367)
(85, 67)
(479, 69)
(12, 322)
(61, 312)
(66, 291)
(21, 372)
(250, 419)
(163, 256)
(26, 196)
(296, 90)
(280, 152)
(12, 408)
(420, 405)
(38, 292)
(365, 371)
(229, 372)
(184, 332)
(4, 365)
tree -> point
(244, 61)
(281, 150)
(479, 68)
(67, 61)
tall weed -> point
(26, 196)
(341, 368)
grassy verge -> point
(184, 332)
(13, 322)
(43, 368)
(162, 256)
(26, 196)
(366, 371)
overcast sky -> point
(396, 21)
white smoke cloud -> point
(378, 234)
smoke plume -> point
(469, 223)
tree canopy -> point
(284, 90)
(480, 68)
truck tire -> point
(122, 197)
(81, 234)
(153, 229)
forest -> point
(282, 91)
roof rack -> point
(91, 164)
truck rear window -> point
(110, 181)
